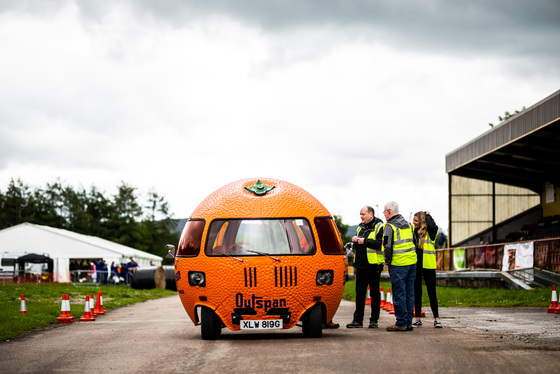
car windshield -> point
(237, 237)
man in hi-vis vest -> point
(399, 245)
(368, 265)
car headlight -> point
(197, 279)
(324, 277)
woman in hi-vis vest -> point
(426, 230)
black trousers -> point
(429, 276)
(367, 277)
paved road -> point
(157, 336)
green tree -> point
(2, 210)
(75, 203)
(148, 226)
(18, 204)
(157, 226)
(51, 205)
(507, 115)
(124, 227)
(98, 213)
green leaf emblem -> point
(259, 188)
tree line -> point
(123, 218)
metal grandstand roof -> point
(523, 151)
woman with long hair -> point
(426, 230)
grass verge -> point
(474, 297)
(43, 302)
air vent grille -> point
(285, 276)
(250, 277)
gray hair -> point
(392, 206)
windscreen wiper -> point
(264, 253)
(349, 248)
(227, 254)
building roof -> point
(522, 151)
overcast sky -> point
(356, 101)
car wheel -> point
(210, 324)
(312, 323)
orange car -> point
(260, 255)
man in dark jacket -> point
(367, 269)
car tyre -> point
(211, 326)
(312, 324)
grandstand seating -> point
(546, 227)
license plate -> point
(265, 324)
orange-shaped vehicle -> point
(260, 255)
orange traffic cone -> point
(65, 314)
(554, 303)
(390, 307)
(382, 298)
(389, 301)
(22, 307)
(99, 304)
(422, 314)
(87, 312)
(92, 305)
(368, 299)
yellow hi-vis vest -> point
(374, 256)
(404, 251)
(429, 253)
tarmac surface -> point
(158, 336)
(530, 325)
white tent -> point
(63, 245)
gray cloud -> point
(38, 7)
(497, 27)
(335, 95)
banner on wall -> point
(459, 259)
(518, 256)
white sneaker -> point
(417, 323)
